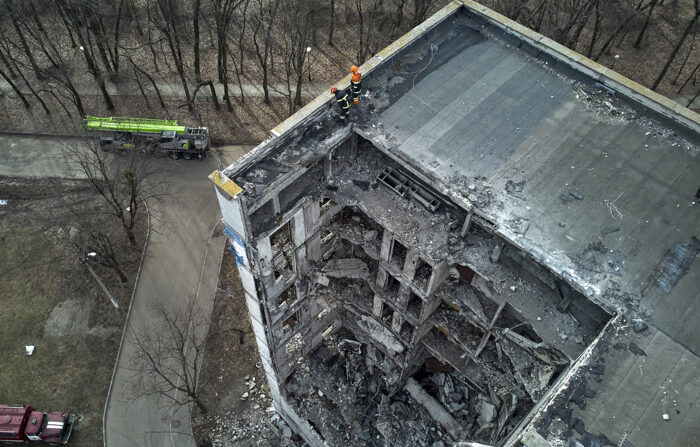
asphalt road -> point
(182, 260)
(174, 269)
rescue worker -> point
(355, 84)
(342, 97)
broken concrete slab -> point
(436, 410)
(380, 334)
(346, 268)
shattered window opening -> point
(291, 321)
(325, 205)
(407, 331)
(263, 219)
(281, 238)
(282, 267)
(387, 314)
(398, 254)
(415, 305)
(288, 297)
(423, 274)
(326, 332)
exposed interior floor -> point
(496, 250)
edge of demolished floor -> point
(632, 91)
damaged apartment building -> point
(456, 264)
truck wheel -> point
(187, 156)
(175, 155)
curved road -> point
(182, 259)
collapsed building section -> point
(396, 290)
(372, 295)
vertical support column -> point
(382, 277)
(353, 146)
(385, 251)
(467, 223)
(328, 166)
(404, 294)
(409, 266)
(377, 305)
(439, 274)
(396, 322)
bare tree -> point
(15, 70)
(196, 9)
(95, 237)
(679, 44)
(124, 183)
(164, 16)
(169, 353)
(79, 17)
(652, 4)
(331, 23)
(368, 12)
(420, 11)
(223, 17)
(262, 39)
(59, 71)
(296, 35)
(139, 69)
(15, 13)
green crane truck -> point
(151, 135)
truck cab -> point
(21, 424)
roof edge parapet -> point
(606, 76)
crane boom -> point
(135, 125)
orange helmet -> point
(334, 89)
(354, 69)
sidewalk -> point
(170, 90)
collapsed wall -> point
(385, 313)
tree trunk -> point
(22, 40)
(213, 94)
(199, 403)
(331, 27)
(361, 32)
(685, 61)
(14, 87)
(143, 93)
(129, 232)
(646, 24)
(122, 276)
(266, 89)
(105, 94)
(223, 58)
(297, 98)
(115, 59)
(34, 92)
(596, 30)
(195, 18)
(678, 46)
(689, 78)
(153, 84)
(692, 100)
(76, 97)
(7, 64)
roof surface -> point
(514, 135)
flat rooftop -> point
(511, 134)
(593, 176)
